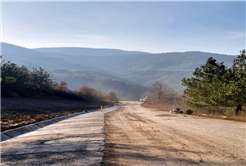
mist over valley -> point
(128, 73)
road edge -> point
(9, 134)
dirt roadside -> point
(141, 136)
(18, 112)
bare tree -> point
(171, 96)
(160, 90)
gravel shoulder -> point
(140, 136)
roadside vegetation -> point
(19, 81)
(214, 91)
(29, 96)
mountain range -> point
(128, 73)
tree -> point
(9, 75)
(62, 86)
(239, 64)
(112, 97)
(40, 79)
(100, 94)
(160, 90)
(238, 85)
(19, 80)
(214, 84)
(207, 84)
(87, 90)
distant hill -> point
(124, 89)
(146, 68)
(88, 51)
(64, 68)
(131, 68)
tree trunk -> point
(239, 108)
(159, 98)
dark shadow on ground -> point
(114, 152)
(40, 153)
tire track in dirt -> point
(154, 137)
(136, 136)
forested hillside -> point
(111, 69)
(19, 81)
(146, 68)
(73, 73)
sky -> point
(156, 27)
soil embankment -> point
(18, 112)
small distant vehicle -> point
(145, 99)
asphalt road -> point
(138, 136)
(75, 141)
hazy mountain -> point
(88, 51)
(10, 51)
(95, 66)
(105, 82)
(103, 59)
(146, 68)
(65, 68)
(171, 61)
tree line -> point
(216, 85)
(20, 81)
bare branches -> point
(162, 93)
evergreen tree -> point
(238, 85)
(207, 83)
(214, 84)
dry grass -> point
(162, 107)
(240, 118)
(226, 113)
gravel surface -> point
(75, 141)
(140, 136)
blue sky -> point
(217, 27)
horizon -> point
(121, 50)
(153, 27)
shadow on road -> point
(125, 155)
(41, 152)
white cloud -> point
(235, 35)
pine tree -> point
(214, 84)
